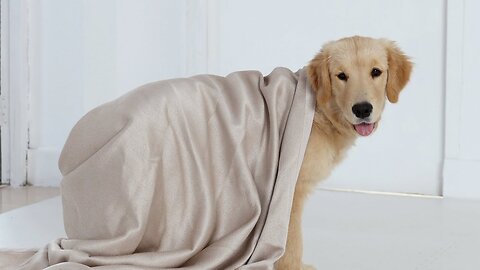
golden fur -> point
(333, 131)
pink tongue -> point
(364, 129)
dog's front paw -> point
(308, 267)
(286, 264)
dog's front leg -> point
(292, 258)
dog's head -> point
(353, 77)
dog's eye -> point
(376, 72)
(342, 76)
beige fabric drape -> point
(195, 173)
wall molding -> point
(453, 89)
(4, 94)
(213, 38)
(461, 177)
(453, 76)
(196, 41)
(201, 37)
(18, 91)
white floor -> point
(352, 231)
(343, 231)
(32, 226)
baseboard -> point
(381, 193)
(42, 168)
(461, 179)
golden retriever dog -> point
(352, 78)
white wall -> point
(462, 144)
(83, 53)
(405, 155)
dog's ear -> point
(399, 69)
(319, 77)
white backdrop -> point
(84, 53)
(405, 155)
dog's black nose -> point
(362, 110)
